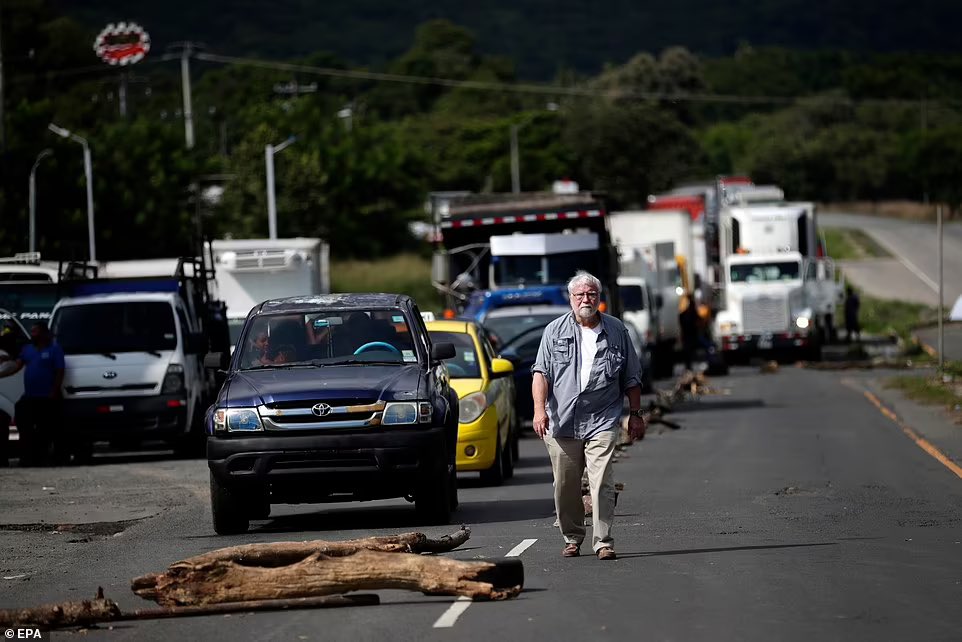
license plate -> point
(765, 342)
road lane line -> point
(920, 441)
(450, 617)
(520, 548)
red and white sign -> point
(123, 43)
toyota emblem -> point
(110, 374)
(321, 409)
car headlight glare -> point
(400, 412)
(237, 420)
(471, 407)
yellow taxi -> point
(488, 427)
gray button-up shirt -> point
(582, 415)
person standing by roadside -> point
(38, 411)
(580, 378)
(852, 304)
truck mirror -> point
(440, 272)
(213, 360)
(442, 350)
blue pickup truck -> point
(333, 398)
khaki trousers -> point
(569, 458)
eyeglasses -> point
(585, 295)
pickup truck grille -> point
(765, 314)
(322, 416)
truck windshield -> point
(327, 337)
(127, 326)
(631, 298)
(540, 270)
(765, 272)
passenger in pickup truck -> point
(38, 411)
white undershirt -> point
(589, 348)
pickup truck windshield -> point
(765, 272)
(328, 337)
(128, 326)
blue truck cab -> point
(332, 398)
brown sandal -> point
(607, 553)
(571, 550)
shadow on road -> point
(356, 517)
(724, 549)
(720, 404)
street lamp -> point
(33, 198)
(88, 173)
(269, 151)
(515, 162)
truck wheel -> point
(434, 498)
(494, 476)
(229, 509)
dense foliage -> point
(826, 125)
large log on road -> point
(224, 580)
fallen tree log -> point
(284, 553)
(54, 616)
(218, 581)
(99, 610)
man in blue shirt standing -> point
(38, 410)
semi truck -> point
(779, 288)
(488, 242)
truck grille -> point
(322, 416)
(765, 314)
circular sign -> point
(123, 43)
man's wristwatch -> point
(635, 413)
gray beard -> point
(586, 313)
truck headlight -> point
(173, 380)
(399, 413)
(802, 322)
(728, 327)
(237, 420)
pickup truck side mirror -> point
(214, 360)
(442, 350)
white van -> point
(134, 368)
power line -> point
(531, 88)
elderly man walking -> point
(585, 367)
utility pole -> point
(515, 163)
(938, 218)
(186, 51)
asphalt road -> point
(912, 274)
(767, 516)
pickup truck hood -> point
(356, 383)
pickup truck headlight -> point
(173, 380)
(237, 420)
(471, 407)
(397, 413)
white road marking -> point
(912, 267)
(450, 617)
(520, 548)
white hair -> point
(583, 277)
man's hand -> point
(636, 428)
(540, 423)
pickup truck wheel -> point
(433, 498)
(494, 476)
(228, 508)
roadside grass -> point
(934, 390)
(401, 274)
(885, 317)
(844, 244)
